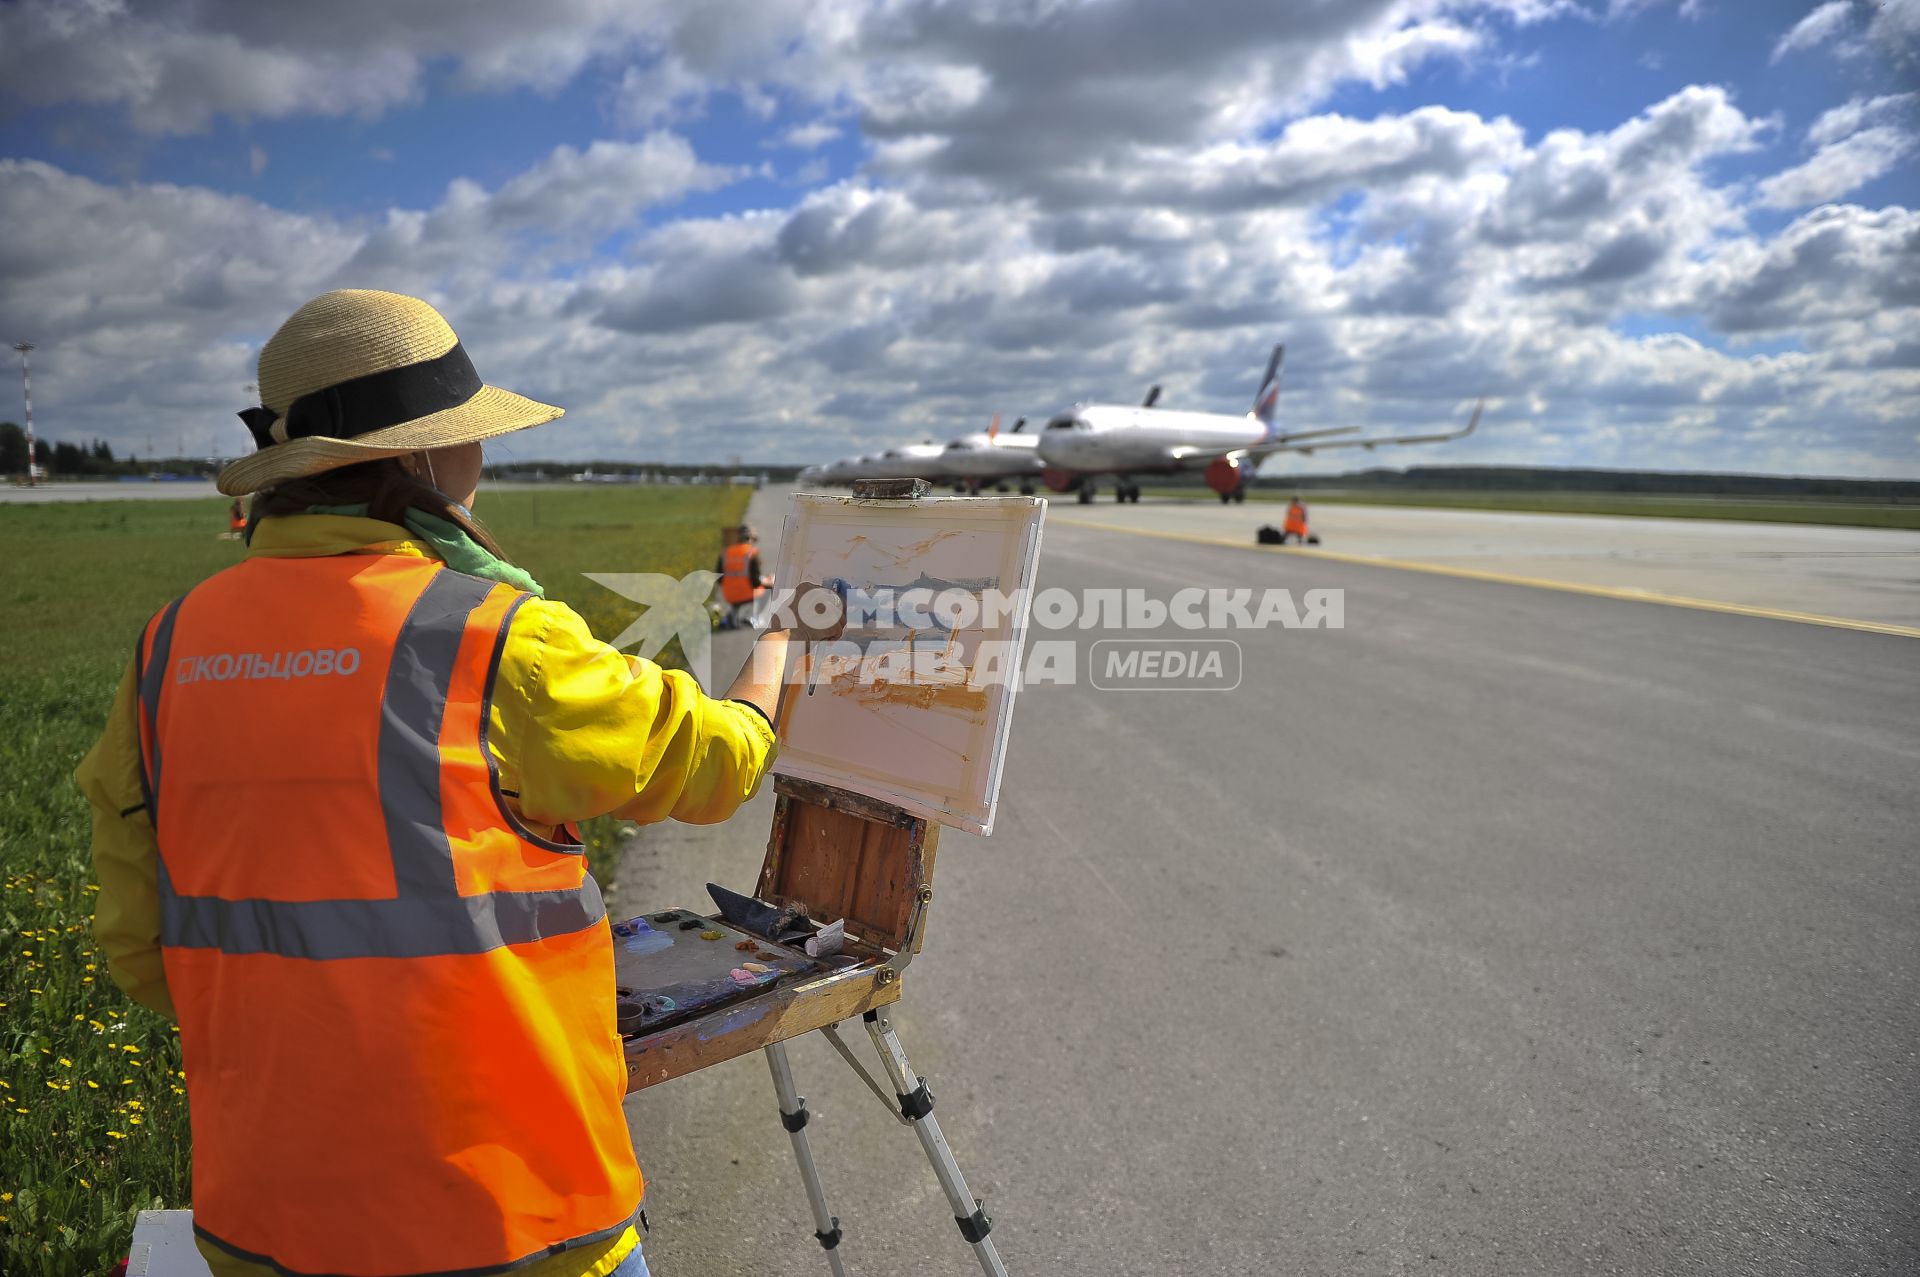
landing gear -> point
(1026, 489)
(1124, 490)
(1086, 494)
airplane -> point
(842, 472)
(1122, 441)
(911, 461)
(865, 466)
(967, 463)
(987, 457)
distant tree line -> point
(536, 470)
(76, 460)
(60, 457)
(1649, 482)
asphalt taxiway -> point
(1504, 929)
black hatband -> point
(373, 402)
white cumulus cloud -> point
(1819, 26)
(1838, 168)
(1063, 201)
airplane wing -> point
(1187, 452)
(1282, 441)
(1298, 442)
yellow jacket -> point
(577, 729)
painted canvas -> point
(913, 703)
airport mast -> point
(26, 388)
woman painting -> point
(333, 828)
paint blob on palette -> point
(914, 702)
(675, 965)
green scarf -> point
(451, 542)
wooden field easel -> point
(835, 855)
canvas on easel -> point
(913, 704)
(898, 725)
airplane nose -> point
(1064, 439)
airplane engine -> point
(1060, 480)
(1225, 475)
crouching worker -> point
(333, 816)
(741, 584)
(1295, 526)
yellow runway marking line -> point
(1507, 578)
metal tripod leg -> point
(916, 1105)
(793, 1115)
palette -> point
(674, 965)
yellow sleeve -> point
(578, 729)
(126, 858)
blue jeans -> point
(634, 1265)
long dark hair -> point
(386, 487)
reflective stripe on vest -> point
(152, 665)
(428, 915)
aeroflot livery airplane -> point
(1122, 440)
(989, 458)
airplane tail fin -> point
(1269, 395)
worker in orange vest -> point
(740, 579)
(1295, 525)
(236, 519)
(333, 825)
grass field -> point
(1755, 510)
(93, 1120)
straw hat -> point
(356, 375)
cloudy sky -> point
(1657, 233)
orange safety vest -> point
(736, 573)
(396, 1002)
(1296, 521)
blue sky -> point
(1580, 207)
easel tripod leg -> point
(916, 1105)
(794, 1115)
